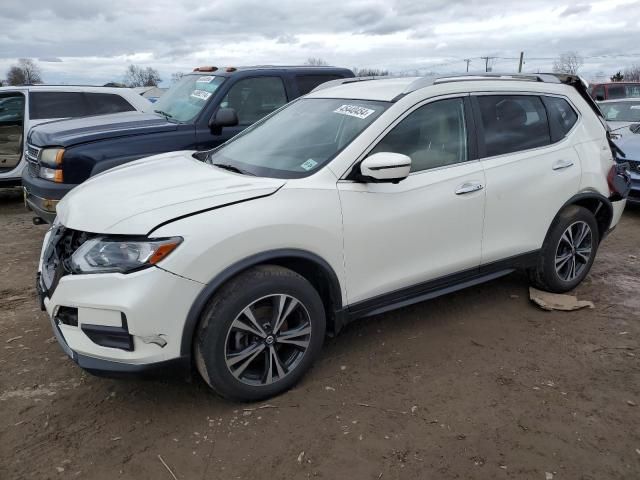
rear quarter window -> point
(562, 117)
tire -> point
(559, 248)
(242, 350)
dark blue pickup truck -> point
(202, 110)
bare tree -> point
(632, 74)
(136, 76)
(26, 72)
(317, 62)
(568, 62)
(370, 72)
(176, 76)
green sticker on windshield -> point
(309, 164)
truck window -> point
(615, 91)
(254, 98)
(11, 129)
(43, 105)
(306, 83)
(598, 92)
(103, 103)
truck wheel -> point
(568, 251)
(260, 333)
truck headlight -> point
(53, 174)
(122, 255)
(51, 157)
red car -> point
(614, 90)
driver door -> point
(425, 227)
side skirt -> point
(435, 288)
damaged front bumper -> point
(117, 324)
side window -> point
(306, 83)
(43, 105)
(103, 103)
(615, 91)
(11, 129)
(562, 117)
(513, 123)
(253, 98)
(598, 92)
(433, 136)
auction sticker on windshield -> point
(207, 79)
(201, 94)
(354, 111)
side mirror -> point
(385, 167)
(224, 117)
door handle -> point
(469, 187)
(562, 164)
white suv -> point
(356, 199)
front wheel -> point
(260, 333)
(568, 251)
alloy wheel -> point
(574, 251)
(267, 339)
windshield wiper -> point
(232, 168)
(164, 114)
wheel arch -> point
(597, 204)
(311, 266)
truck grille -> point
(32, 154)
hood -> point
(621, 128)
(135, 198)
(65, 133)
(630, 145)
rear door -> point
(531, 168)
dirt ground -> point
(477, 384)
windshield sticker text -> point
(201, 94)
(354, 111)
(207, 79)
(309, 164)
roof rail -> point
(343, 81)
(527, 77)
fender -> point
(603, 218)
(209, 290)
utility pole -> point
(468, 60)
(486, 62)
(521, 62)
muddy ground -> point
(478, 384)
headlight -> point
(105, 254)
(52, 174)
(51, 157)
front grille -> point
(56, 262)
(32, 155)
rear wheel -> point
(568, 251)
(260, 333)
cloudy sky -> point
(87, 41)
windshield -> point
(299, 139)
(621, 111)
(184, 100)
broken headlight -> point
(122, 255)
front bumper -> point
(42, 196)
(155, 304)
